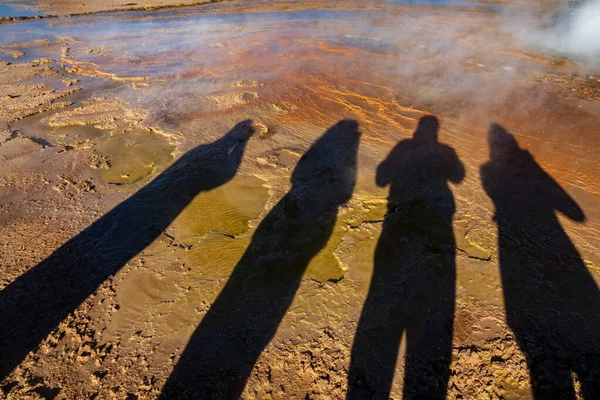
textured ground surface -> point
(66, 7)
(161, 230)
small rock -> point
(260, 129)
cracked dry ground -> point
(221, 205)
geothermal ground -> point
(296, 200)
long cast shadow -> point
(224, 348)
(412, 289)
(552, 302)
(36, 302)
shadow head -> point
(427, 130)
(342, 141)
(344, 136)
(501, 141)
(238, 136)
(349, 126)
(242, 131)
(329, 165)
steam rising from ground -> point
(574, 31)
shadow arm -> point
(558, 198)
(457, 169)
(384, 172)
(565, 204)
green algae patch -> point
(354, 233)
(216, 255)
(73, 136)
(464, 244)
(132, 156)
(326, 266)
(227, 210)
(357, 251)
(371, 210)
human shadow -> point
(37, 301)
(552, 302)
(223, 350)
(412, 289)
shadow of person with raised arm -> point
(36, 302)
(413, 285)
(221, 353)
(552, 302)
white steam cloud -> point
(575, 31)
